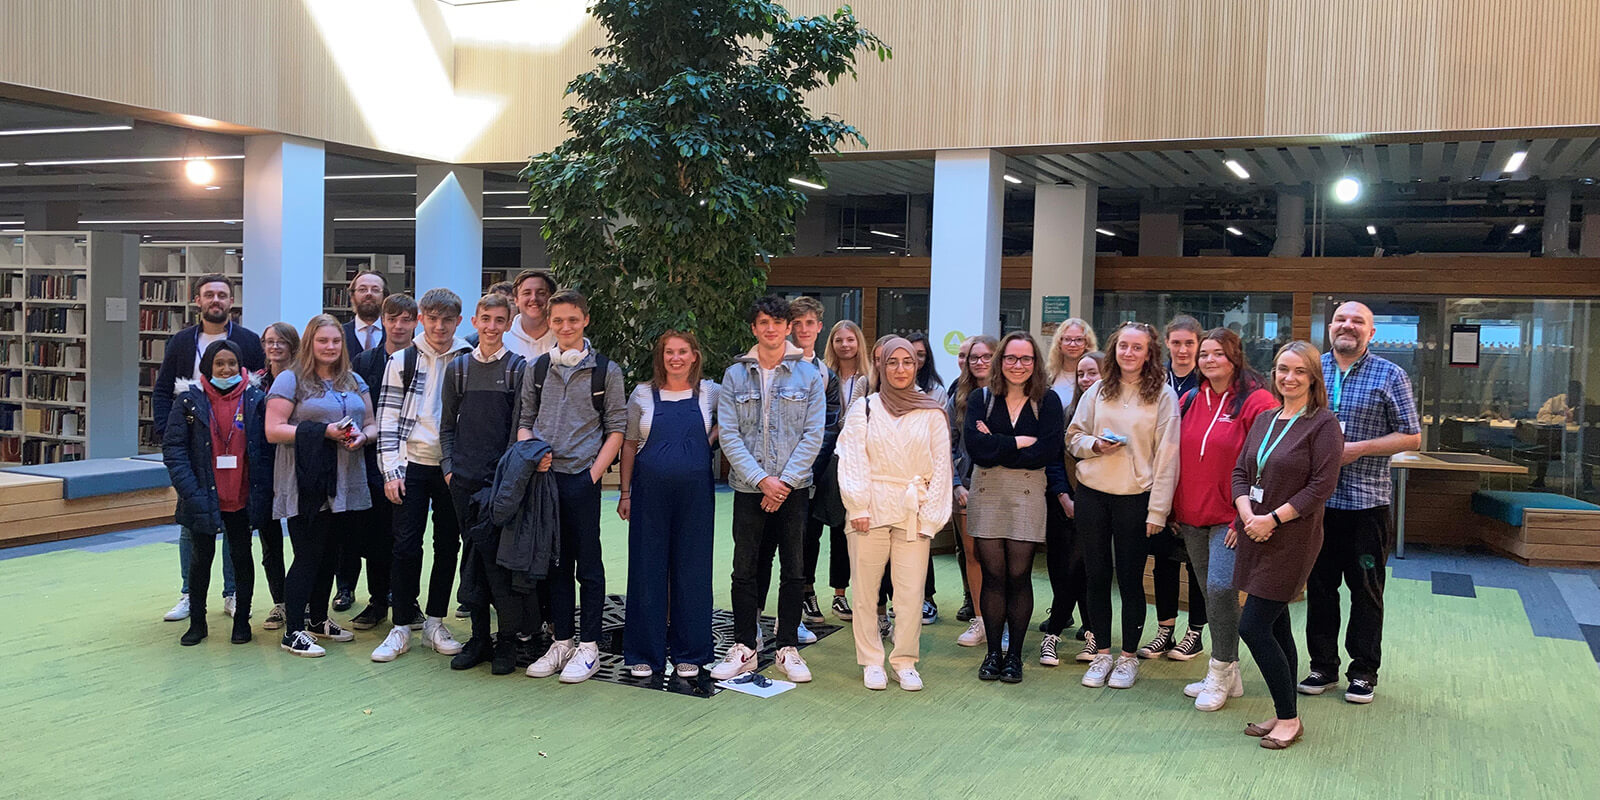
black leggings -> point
(1264, 627)
(236, 526)
(1113, 525)
(838, 555)
(1007, 589)
(316, 557)
(272, 558)
(1165, 577)
(1064, 556)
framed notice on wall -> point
(1464, 341)
(1057, 308)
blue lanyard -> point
(1264, 452)
(343, 411)
(1338, 383)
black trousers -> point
(424, 485)
(757, 536)
(579, 497)
(236, 526)
(1165, 577)
(309, 582)
(838, 555)
(1111, 528)
(1355, 551)
(1064, 557)
(1264, 627)
(373, 540)
(491, 582)
(272, 558)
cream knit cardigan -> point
(895, 470)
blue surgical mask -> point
(225, 384)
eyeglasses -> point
(1017, 361)
(274, 343)
(1077, 340)
(983, 359)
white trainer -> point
(230, 606)
(640, 670)
(1125, 673)
(1222, 682)
(688, 670)
(974, 635)
(739, 660)
(179, 611)
(585, 662)
(793, 666)
(438, 637)
(1099, 670)
(873, 678)
(554, 660)
(805, 635)
(396, 643)
(909, 679)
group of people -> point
(1166, 444)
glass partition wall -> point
(1261, 320)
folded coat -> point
(525, 509)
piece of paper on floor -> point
(777, 687)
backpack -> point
(1186, 401)
(597, 382)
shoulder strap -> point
(460, 363)
(408, 369)
(514, 365)
(597, 383)
(541, 370)
(1187, 401)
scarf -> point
(900, 402)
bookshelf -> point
(166, 306)
(64, 347)
(339, 268)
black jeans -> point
(838, 554)
(236, 526)
(372, 539)
(424, 484)
(757, 535)
(1064, 558)
(272, 557)
(1355, 551)
(316, 557)
(580, 558)
(1111, 528)
(1264, 627)
(1165, 577)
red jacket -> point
(1209, 446)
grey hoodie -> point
(788, 441)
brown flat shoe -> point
(1255, 730)
(1282, 744)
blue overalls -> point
(670, 528)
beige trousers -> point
(907, 562)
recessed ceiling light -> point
(1012, 179)
(85, 129)
(72, 162)
(1372, 230)
(1514, 163)
(1237, 169)
(212, 188)
(807, 184)
(373, 176)
(1235, 231)
(1519, 229)
(1104, 232)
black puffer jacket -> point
(186, 450)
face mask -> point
(224, 384)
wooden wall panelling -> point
(1300, 327)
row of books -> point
(161, 320)
(60, 355)
(52, 421)
(68, 321)
(163, 290)
(34, 451)
(151, 349)
(56, 287)
(59, 388)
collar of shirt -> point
(477, 354)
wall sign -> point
(1464, 345)
(1057, 308)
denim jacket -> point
(791, 440)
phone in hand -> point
(1112, 438)
(347, 425)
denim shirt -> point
(792, 437)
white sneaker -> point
(641, 670)
(739, 660)
(974, 635)
(1125, 673)
(436, 636)
(909, 679)
(1099, 670)
(179, 611)
(793, 666)
(554, 660)
(1222, 682)
(688, 670)
(230, 605)
(805, 635)
(397, 642)
(873, 678)
(585, 662)
(302, 644)
(275, 618)
(1048, 657)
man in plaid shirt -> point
(1377, 411)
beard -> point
(368, 307)
(1346, 344)
(215, 316)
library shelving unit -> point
(65, 346)
(166, 306)
(339, 268)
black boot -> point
(990, 670)
(241, 626)
(505, 656)
(476, 651)
(197, 627)
(966, 612)
(1012, 671)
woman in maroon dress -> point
(1286, 472)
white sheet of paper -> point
(116, 309)
(1463, 347)
(778, 687)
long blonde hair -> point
(307, 381)
(864, 365)
(1058, 360)
(1152, 376)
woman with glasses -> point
(1012, 435)
(975, 359)
(1124, 434)
(281, 342)
(1073, 340)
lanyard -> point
(1338, 383)
(1204, 440)
(219, 422)
(1264, 452)
(343, 411)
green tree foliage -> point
(673, 188)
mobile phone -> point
(1113, 438)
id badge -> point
(1341, 427)
(227, 462)
(1256, 495)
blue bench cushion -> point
(1508, 506)
(101, 476)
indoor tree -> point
(673, 188)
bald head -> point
(1351, 329)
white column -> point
(964, 287)
(283, 225)
(1063, 251)
(450, 232)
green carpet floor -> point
(100, 701)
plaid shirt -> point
(1375, 400)
(397, 408)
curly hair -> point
(1152, 376)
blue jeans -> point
(1213, 565)
(186, 554)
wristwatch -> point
(1275, 519)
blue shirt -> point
(1374, 400)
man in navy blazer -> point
(367, 290)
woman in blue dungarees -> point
(668, 502)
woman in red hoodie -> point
(1217, 416)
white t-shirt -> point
(766, 403)
(203, 341)
(673, 396)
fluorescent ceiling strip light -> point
(1519, 229)
(885, 233)
(807, 184)
(1104, 232)
(1514, 163)
(73, 162)
(374, 176)
(1012, 179)
(1237, 169)
(374, 219)
(8, 163)
(853, 247)
(185, 241)
(1235, 231)
(505, 191)
(159, 221)
(87, 129)
(512, 218)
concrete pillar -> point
(1589, 237)
(1291, 236)
(964, 287)
(450, 231)
(1557, 225)
(1160, 225)
(919, 210)
(283, 230)
(50, 215)
(534, 254)
(1063, 252)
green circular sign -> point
(952, 342)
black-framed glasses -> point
(1017, 361)
(1074, 340)
(983, 359)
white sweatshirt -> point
(895, 470)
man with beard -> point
(1377, 411)
(365, 331)
(213, 296)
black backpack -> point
(597, 382)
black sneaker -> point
(841, 607)
(505, 656)
(885, 628)
(370, 617)
(330, 630)
(1012, 671)
(966, 612)
(463, 612)
(1157, 647)
(344, 600)
(811, 612)
(990, 669)
(1191, 645)
(476, 651)
(1360, 691)
(302, 644)
(411, 618)
(1316, 683)
(1090, 649)
(930, 612)
(1044, 624)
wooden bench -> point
(1539, 528)
(51, 502)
